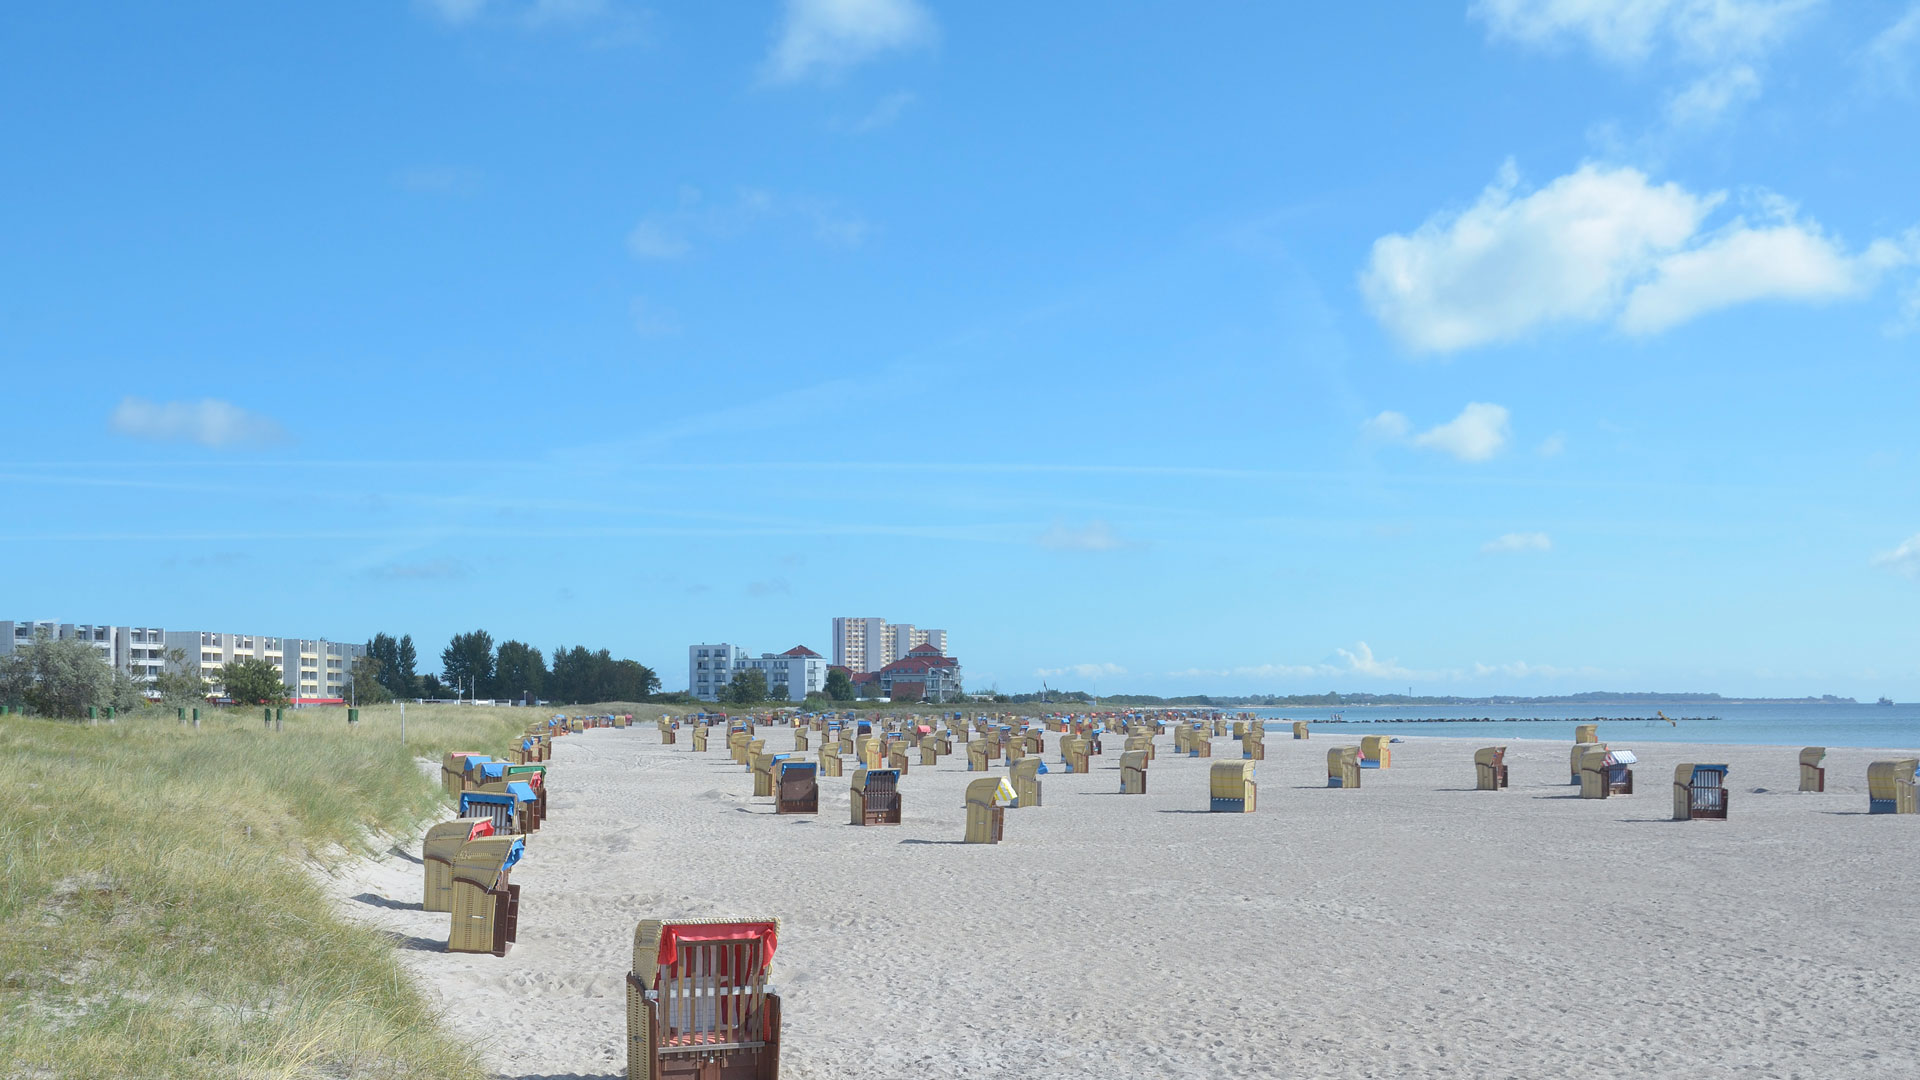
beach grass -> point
(159, 909)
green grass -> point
(158, 914)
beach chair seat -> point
(699, 1006)
(875, 797)
(1490, 768)
(437, 851)
(486, 905)
(796, 787)
(1343, 767)
(1074, 754)
(1375, 753)
(1133, 772)
(1025, 775)
(1890, 786)
(1813, 775)
(1253, 741)
(496, 806)
(986, 812)
(1699, 792)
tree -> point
(251, 681)
(57, 677)
(406, 679)
(395, 660)
(839, 685)
(368, 687)
(181, 682)
(467, 663)
(518, 668)
(432, 687)
(747, 687)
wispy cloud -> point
(652, 320)
(1479, 433)
(884, 113)
(778, 586)
(1903, 560)
(208, 422)
(1093, 536)
(1888, 61)
(1604, 244)
(441, 569)
(823, 38)
(1082, 671)
(1725, 41)
(670, 234)
(527, 12)
(1516, 543)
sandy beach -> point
(1414, 927)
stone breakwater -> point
(1517, 720)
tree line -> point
(473, 666)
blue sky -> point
(1504, 346)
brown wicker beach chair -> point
(1375, 753)
(1253, 741)
(796, 787)
(1025, 774)
(875, 797)
(1133, 772)
(1700, 792)
(486, 906)
(1074, 753)
(1299, 729)
(1343, 767)
(1605, 773)
(698, 1003)
(438, 850)
(986, 816)
(1813, 775)
(1891, 787)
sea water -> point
(1884, 727)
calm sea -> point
(1891, 727)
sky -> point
(1487, 346)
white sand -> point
(1414, 927)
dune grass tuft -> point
(158, 913)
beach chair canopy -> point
(523, 791)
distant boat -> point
(1885, 701)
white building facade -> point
(791, 675)
(862, 644)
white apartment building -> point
(866, 644)
(140, 651)
(791, 675)
(312, 667)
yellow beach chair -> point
(1133, 772)
(1141, 742)
(1605, 773)
(699, 738)
(1813, 775)
(1586, 733)
(1025, 774)
(1490, 768)
(1699, 791)
(1253, 741)
(875, 795)
(1343, 767)
(1231, 787)
(800, 739)
(977, 755)
(698, 1003)
(1375, 753)
(1074, 753)
(1580, 751)
(929, 752)
(1890, 786)
(897, 759)
(737, 742)
(830, 761)
(762, 767)
(486, 906)
(438, 850)
(986, 816)
(1299, 729)
(754, 746)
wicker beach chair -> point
(1700, 791)
(668, 736)
(1074, 753)
(929, 752)
(1580, 751)
(831, 764)
(986, 816)
(897, 759)
(762, 767)
(800, 739)
(1490, 768)
(1025, 775)
(1375, 753)
(1253, 741)
(1036, 740)
(496, 806)
(1299, 729)
(1586, 733)
(1142, 742)
(737, 746)
(486, 906)
(1239, 729)
(1133, 773)
(1343, 767)
(1605, 773)
(977, 755)
(1813, 775)
(1219, 729)
(1890, 786)
(454, 769)
(699, 738)
(796, 787)
(535, 775)
(875, 797)
(437, 851)
(699, 1006)
(1230, 787)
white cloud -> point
(1889, 59)
(1517, 543)
(1389, 426)
(1629, 31)
(531, 12)
(1094, 536)
(209, 422)
(825, 37)
(1082, 671)
(1903, 560)
(1520, 669)
(1361, 661)
(885, 112)
(1552, 446)
(1601, 244)
(1725, 38)
(652, 320)
(1477, 434)
(455, 11)
(653, 240)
